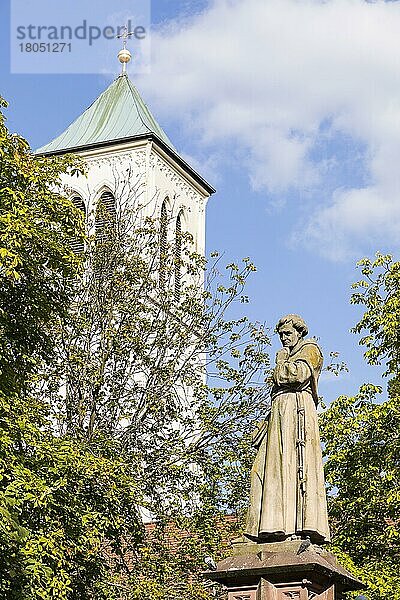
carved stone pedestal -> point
(282, 570)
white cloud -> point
(353, 216)
(262, 76)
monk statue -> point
(288, 495)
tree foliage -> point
(35, 260)
(169, 377)
(169, 563)
(379, 293)
(63, 509)
(362, 442)
(60, 500)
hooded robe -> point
(287, 479)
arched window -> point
(106, 217)
(76, 245)
(178, 256)
(163, 244)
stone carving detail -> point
(138, 159)
(119, 159)
(179, 183)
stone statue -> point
(288, 495)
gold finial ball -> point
(124, 56)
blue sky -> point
(291, 110)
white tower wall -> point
(149, 175)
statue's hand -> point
(282, 355)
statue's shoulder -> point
(311, 352)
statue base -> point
(281, 570)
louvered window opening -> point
(163, 245)
(77, 246)
(178, 257)
(106, 217)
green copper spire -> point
(118, 113)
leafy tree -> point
(169, 563)
(64, 506)
(362, 442)
(161, 372)
(64, 509)
(36, 263)
(379, 293)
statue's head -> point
(291, 329)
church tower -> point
(123, 146)
(130, 161)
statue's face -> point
(289, 336)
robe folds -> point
(288, 494)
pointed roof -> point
(118, 113)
